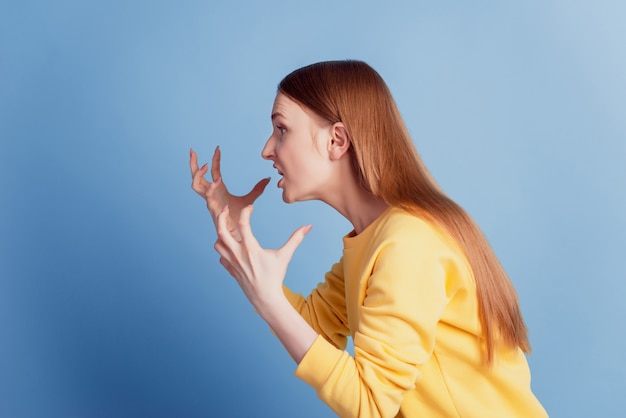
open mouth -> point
(280, 173)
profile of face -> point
(299, 147)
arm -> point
(325, 308)
(260, 274)
(291, 329)
(404, 298)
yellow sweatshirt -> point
(406, 296)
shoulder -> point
(400, 226)
(411, 246)
(404, 238)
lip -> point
(277, 169)
(280, 173)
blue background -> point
(112, 300)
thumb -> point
(257, 190)
(294, 241)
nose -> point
(268, 150)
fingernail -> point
(308, 229)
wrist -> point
(273, 307)
(290, 327)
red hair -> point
(387, 165)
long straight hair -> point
(388, 165)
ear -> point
(339, 142)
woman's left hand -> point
(259, 272)
(216, 194)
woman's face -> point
(298, 147)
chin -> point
(290, 198)
(300, 196)
(287, 198)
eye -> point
(281, 129)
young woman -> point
(434, 319)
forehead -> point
(284, 106)
(290, 109)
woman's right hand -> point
(217, 195)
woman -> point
(435, 321)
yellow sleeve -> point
(404, 299)
(325, 308)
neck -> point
(358, 206)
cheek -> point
(285, 154)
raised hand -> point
(217, 195)
(259, 272)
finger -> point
(213, 186)
(229, 267)
(212, 200)
(215, 164)
(245, 230)
(193, 162)
(257, 190)
(222, 250)
(287, 250)
(222, 228)
(199, 183)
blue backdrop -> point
(112, 300)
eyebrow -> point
(277, 114)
